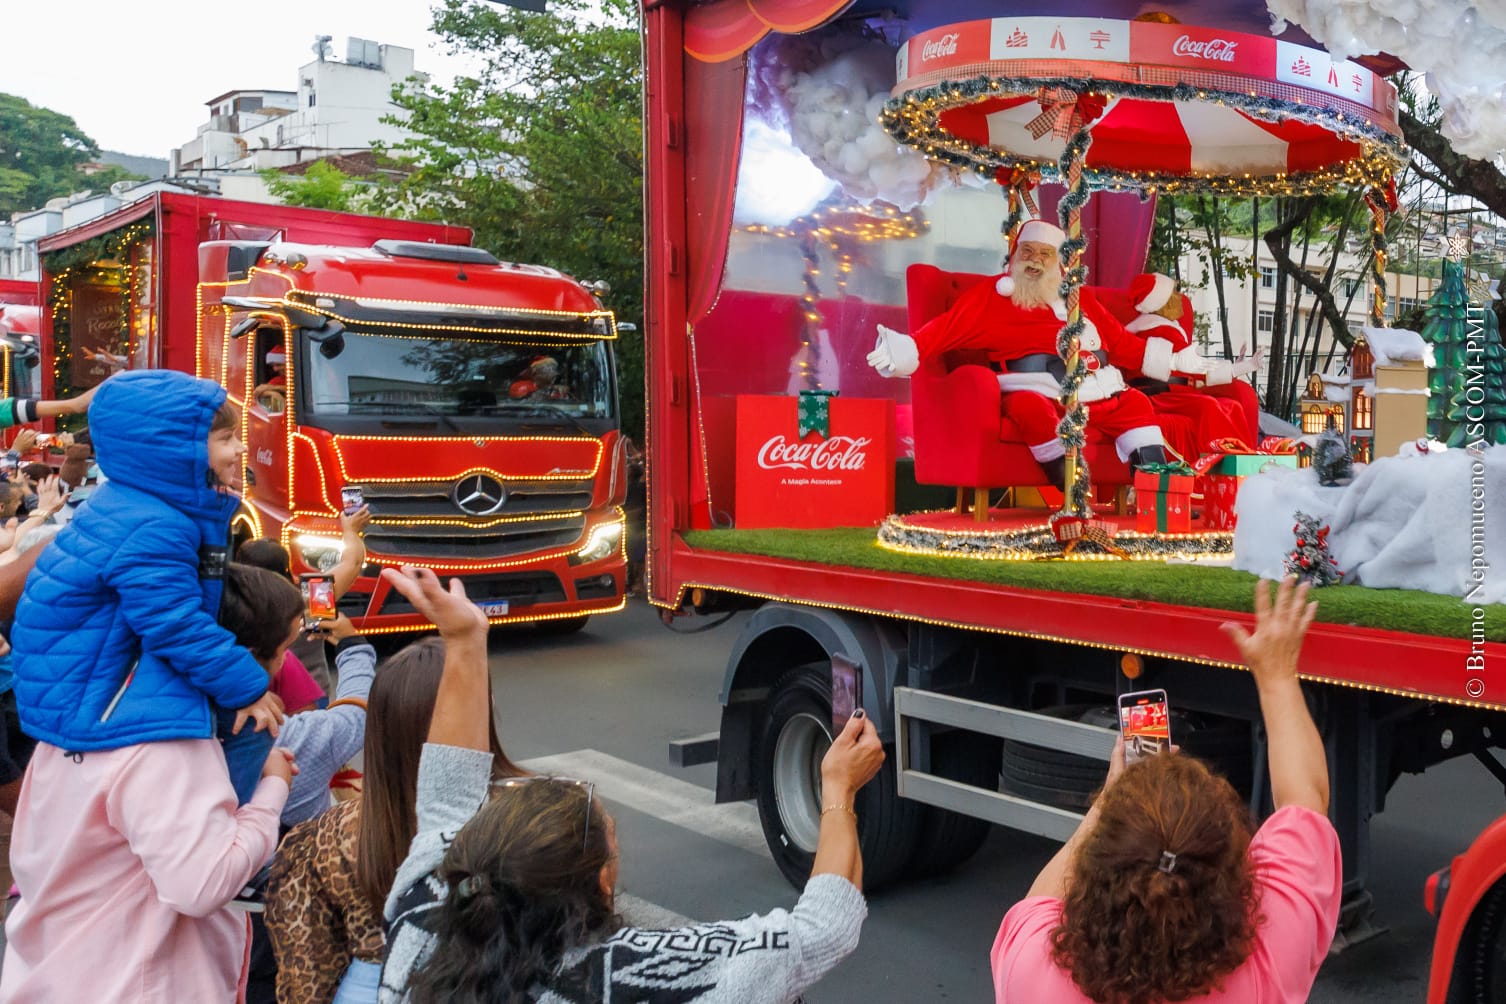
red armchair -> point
(960, 437)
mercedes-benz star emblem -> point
(479, 495)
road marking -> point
(667, 798)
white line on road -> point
(659, 795)
(648, 916)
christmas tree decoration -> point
(1477, 410)
(1310, 559)
(1331, 459)
(814, 413)
(1447, 330)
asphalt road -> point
(604, 705)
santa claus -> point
(1178, 379)
(1016, 319)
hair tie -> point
(1168, 863)
(468, 887)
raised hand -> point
(449, 609)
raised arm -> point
(353, 554)
(462, 705)
(855, 756)
(1298, 764)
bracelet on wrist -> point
(839, 808)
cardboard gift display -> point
(1163, 498)
(790, 475)
(1222, 478)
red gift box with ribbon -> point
(1163, 498)
(1224, 469)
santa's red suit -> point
(1217, 405)
(1021, 342)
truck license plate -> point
(497, 609)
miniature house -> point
(1378, 403)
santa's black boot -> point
(1056, 471)
(1148, 455)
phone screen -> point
(1145, 723)
(846, 690)
(318, 600)
(351, 499)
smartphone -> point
(44, 439)
(846, 690)
(1145, 723)
(318, 600)
(351, 498)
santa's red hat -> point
(1041, 232)
(1151, 291)
(275, 357)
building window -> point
(1362, 419)
(1407, 304)
(1265, 320)
(311, 98)
(1351, 287)
(1267, 278)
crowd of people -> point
(174, 740)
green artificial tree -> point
(1310, 559)
(1447, 330)
(1478, 409)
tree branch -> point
(1275, 240)
(1464, 175)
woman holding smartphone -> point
(1167, 892)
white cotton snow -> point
(1390, 345)
(1460, 45)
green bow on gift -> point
(815, 412)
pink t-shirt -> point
(1300, 878)
(295, 686)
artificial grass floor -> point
(1189, 585)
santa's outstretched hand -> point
(894, 354)
(1246, 365)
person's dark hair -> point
(525, 887)
(1133, 933)
(228, 416)
(36, 471)
(398, 711)
(258, 607)
(265, 553)
(10, 498)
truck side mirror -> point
(330, 338)
(627, 326)
(244, 328)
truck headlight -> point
(321, 553)
(603, 540)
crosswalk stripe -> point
(659, 795)
(641, 913)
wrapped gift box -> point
(1163, 502)
(1220, 486)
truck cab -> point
(473, 402)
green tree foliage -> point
(541, 151)
(40, 155)
(322, 186)
(1478, 407)
(1447, 330)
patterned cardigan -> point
(763, 959)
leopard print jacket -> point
(316, 915)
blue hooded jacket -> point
(137, 574)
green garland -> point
(910, 122)
(1038, 543)
(76, 264)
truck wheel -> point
(796, 735)
(1480, 964)
(947, 839)
(561, 625)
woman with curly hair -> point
(1167, 892)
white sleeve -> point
(1158, 355)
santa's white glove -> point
(1100, 385)
(1189, 362)
(895, 354)
(1250, 364)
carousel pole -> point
(1073, 427)
(1381, 201)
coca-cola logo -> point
(839, 453)
(946, 45)
(1219, 50)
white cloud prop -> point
(833, 111)
(1459, 45)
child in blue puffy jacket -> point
(115, 638)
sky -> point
(136, 77)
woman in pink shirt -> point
(1166, 892)
(127, 860)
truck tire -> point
(796, 735)
(1479, 975)
(1068, 781)
(561, 625)
(946, 839)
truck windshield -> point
(378, 373)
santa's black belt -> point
(1045, 362)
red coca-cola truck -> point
(20, 340)
(992, 682)
(472, 401)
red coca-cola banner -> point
(785, 481)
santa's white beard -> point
(1030, 293)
